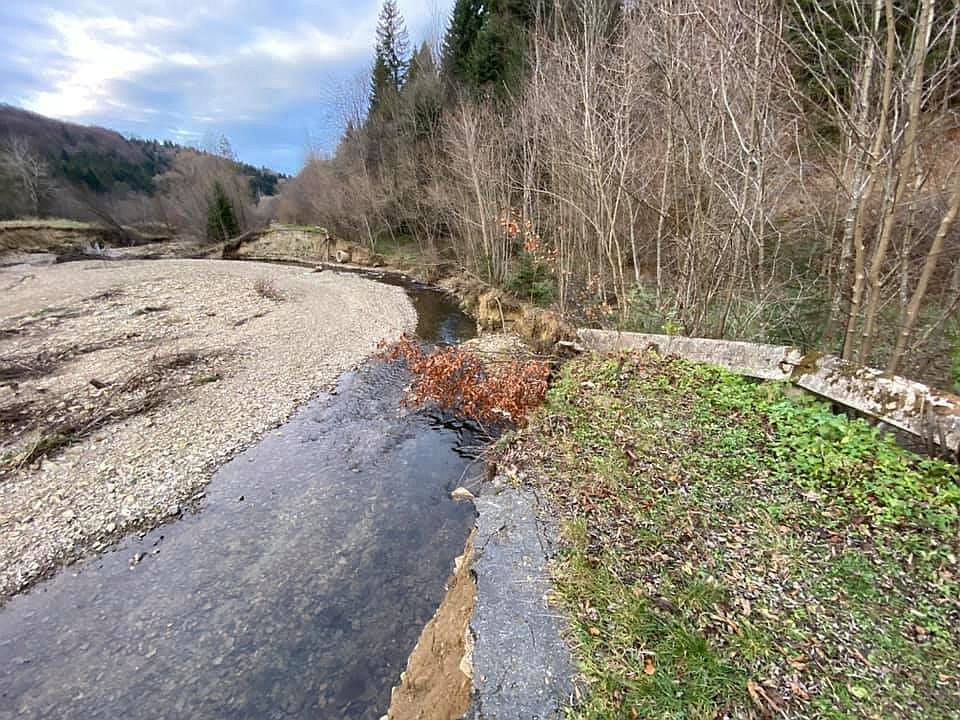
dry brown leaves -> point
(457, 381)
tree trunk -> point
(929, 267)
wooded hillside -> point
(775, 171)
(50, 168)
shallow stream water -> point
(297, 590)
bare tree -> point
(186, 189)
(30, 172)
(904, 62)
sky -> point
(274, 76)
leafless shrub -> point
(267, 288)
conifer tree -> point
(392, 56)
(422, 63)
(465, 24)
(221, 218)
(486, 42)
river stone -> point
(461, 493)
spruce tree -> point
(380, 86)
(421, 64)
(392, 55)
(465, 24)
(486, 42)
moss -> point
(808, 364)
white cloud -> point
(306, 44)
(187, 67)
(82, 86)
(95, 54)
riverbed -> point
(130, 382)
(296, 590)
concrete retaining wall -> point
(902, 403)
(768, 362)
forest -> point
(779, 171)
(56, 169)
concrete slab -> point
(522, 668)
(767, 362)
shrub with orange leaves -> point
(458, 382)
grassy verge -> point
(730, 552)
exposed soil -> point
(437, 684)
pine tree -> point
(380, 86)
(392, 56)
(486, 42)
(421, 64)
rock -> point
(173, 510)
(68, 515)
(461, 493)
(111, 527)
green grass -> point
(729, 552)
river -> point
(297, 589)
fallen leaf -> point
(595, 631)
(859, 692)
(799, 662)
(648, 666)
(734, 627)
(761, 698)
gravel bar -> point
(233, 347)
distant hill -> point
(102, 160)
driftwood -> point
(897, 401)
